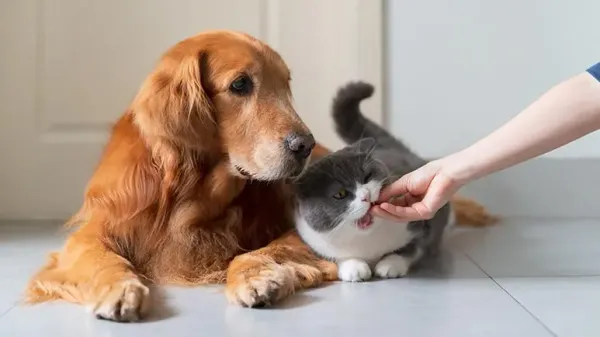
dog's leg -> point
(264, 276)
(86, 272)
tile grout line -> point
(513, 298)
(546, 276)
(2, 314)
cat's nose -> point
(366, 198)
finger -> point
(425, 212)
(414, 212)
(412, 199)
(400, 201)
(405, 201)
(397, 188)
(432, 201)
(404, 213)
(378, 212)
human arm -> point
(568, 111)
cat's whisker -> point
(337, 225)
(371, 150)
(384, 167)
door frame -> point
(363, 43)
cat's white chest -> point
(349, 242)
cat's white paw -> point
(392, 266)
(354, 271)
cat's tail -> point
(351, 125)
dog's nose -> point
(300, 145)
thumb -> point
(397, 188)
(439, 192)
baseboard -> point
(543, 187)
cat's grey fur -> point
(330, 221)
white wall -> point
(458, 69)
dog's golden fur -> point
(170, 201)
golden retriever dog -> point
(191, 188)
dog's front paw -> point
(260, 286)
(123, 302)
(392, 266)
(353, 270)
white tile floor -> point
(521, 278)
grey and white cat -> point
(335, 193)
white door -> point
(68, 69)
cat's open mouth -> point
(365, 222)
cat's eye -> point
(368, 177)
(241, 86)
(341, 194)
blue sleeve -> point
(595, 71)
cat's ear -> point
(364, 145)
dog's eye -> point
(341, 194)
(241, 86)
(368, 177)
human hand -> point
(417, 195)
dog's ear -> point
(172, 104)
